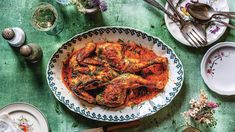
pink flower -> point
(215, 30)
(209, 62)
(187, 6)
(222, 53)
(212, 104)
(209, 71)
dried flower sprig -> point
(103, 6)
(83, 4)
(202, 110)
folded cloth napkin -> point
(7, 124)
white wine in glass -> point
(46, 18)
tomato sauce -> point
(155, 73)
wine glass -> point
(46, 18)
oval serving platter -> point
(146, 108)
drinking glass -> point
(46, 18)
(187, 128)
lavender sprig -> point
(103, 6)
(93, 3)
(81, 5)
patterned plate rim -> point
(59, 97)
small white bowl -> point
(218, 68)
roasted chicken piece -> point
(95, 61)
(84, 95)
(82, 83)
(130, 81)
(87, 73)
(98, 66)
(78, 84)
(97, 76)
(91, 67)
(86, 51)
(115, 92)
(113, 54)
(112, 96)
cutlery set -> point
(194, 30)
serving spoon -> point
(205, 12)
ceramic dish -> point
(146, 108)
(217, 68)
(27, 116)
(214, 30)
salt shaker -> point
(31, 52)
(15, 36)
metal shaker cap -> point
(25, 50)
(8, 33)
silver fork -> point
(194, 34)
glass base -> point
(187, 128)
(191, 129)
(58, 29)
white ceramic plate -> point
(26, 115)
(217, 68)
(96, 112)
(214, 30)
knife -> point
(113, 127)
(160, 7)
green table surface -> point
(23, 82)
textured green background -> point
(22, 82)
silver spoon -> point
(218, 21)
(200, 12)
(205, 12)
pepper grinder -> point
(31, 52)
(15, 36)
